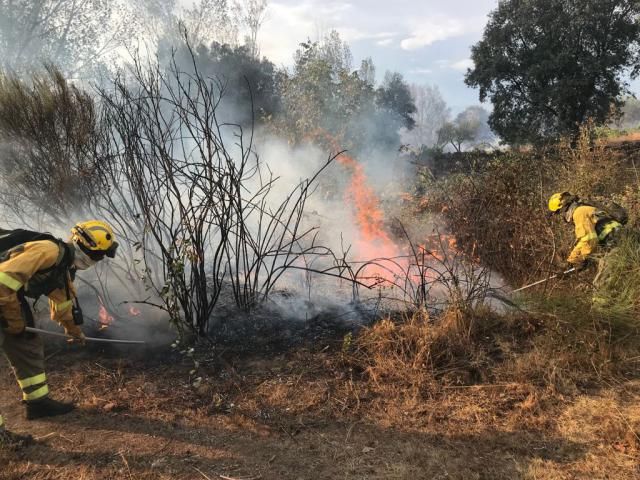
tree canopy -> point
(549, 65)
(468, 129)
(250, 84)
(430, 115)
(323, 93)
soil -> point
(301, 413)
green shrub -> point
(616, 295)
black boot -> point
(13, 441)
(47, 407)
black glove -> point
(582, 265)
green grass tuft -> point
(617, 296)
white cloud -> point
(349, 34)
(432, 31)
(385, 43)
(288, 25)
(384, 35)
(459, 65)
(290, 22)
(334, 9)
(462, 65)
(429, 30)
(421, 71)
(382, 38)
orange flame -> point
(369, 216)
(374, 240)
(104, 316)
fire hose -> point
(86, 339)
(543, 280)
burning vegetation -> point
(317, 300)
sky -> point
(428, 41)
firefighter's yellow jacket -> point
(24, 262)
(585, 218)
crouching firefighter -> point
(596, 228)
(34, 264)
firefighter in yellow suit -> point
(35, 268)
(592, 227)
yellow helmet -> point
(95, 238)
(558, 200)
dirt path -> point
(283, 418)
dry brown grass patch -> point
(419, 355)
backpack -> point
(613, 210)
(13, 238)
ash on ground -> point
(286, 320)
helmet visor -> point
(111, 252)
(97, 255)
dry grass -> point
(587, 167)
(417, 356)
(47, 144)
(307, 414)
(559, 351)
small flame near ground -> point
(134, 312)
(104, 316)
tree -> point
(470, 127)
(630, 113)
(250, 85)
(72, 34)
(336, 53)
(209, 21)
(307, 93)
(430, 115)
(323, 94)
(395, 98)
(475, 119)
(547, 65)
(204, 197)
(203, 22)
(367, 71)
(455, 134)
(252, 14)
